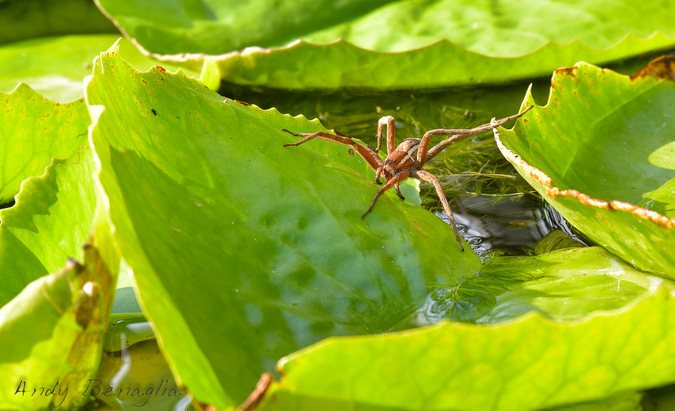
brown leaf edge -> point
(662, 68)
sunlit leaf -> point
(56, 66)
(244, 250)
(601, 146)
(33, 130)
(304, 65)
(394, 45)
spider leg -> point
(394, 180)
(425, 154)
(391, 133)
(367, 154)
(378, 174)
(428, 177)
(398, 191)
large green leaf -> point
(341, 64)
(602, 146)
(402, 44)
(244, 250)
(55, 66)
(525, 364)
(215, 27)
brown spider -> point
(406, 159)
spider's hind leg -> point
(428, 177)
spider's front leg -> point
(395, 180)
(430, 178)
(389, 122)
(425, 153)
(367, 154)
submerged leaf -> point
(563, 285)
(602, 146)
(525, 364)
(244, 250)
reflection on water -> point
(136, 376)
(510, 226)
(515, 226)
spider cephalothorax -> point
(406, 159)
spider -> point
(406, 159)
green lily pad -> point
(524, 364)
(244, 250)
(397, 45)
(602, 146)
(305, 65)
(55, 66)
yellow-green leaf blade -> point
(597, 150)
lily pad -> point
(244, 250)
(525, 364)
(305, 65)
(601, 153)
(394, 45)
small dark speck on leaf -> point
(154, 112)
(161, 69)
